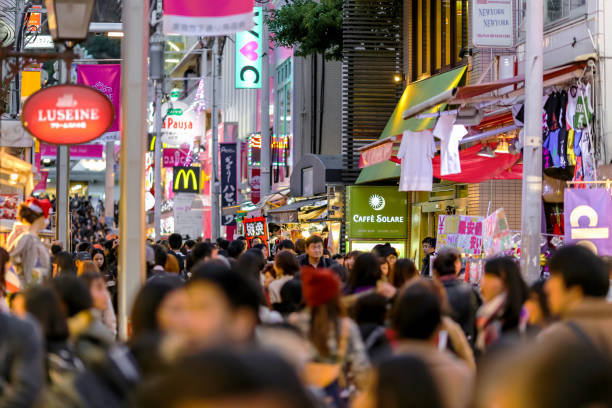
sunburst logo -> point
(377, 202)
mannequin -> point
(28, 254)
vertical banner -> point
(208, 18)
(105, 78)
(229, 196)
(249, 50)
(588, 219)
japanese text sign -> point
(588, 219)
(497, 237)
(229, 193)
(460, 231)
(255, 228)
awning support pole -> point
(532, 152)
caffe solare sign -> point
(376, 212)
(67, 114)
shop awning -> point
(289, 213)
(415, 93)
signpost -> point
(67, 114)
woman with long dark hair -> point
(366, 272)
(504, 292)
(403, 271)
(63, 264)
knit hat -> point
(319, 286)
(40, 206)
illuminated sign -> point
(67, 114)
(248, 54)
(590, 218)
(255, 228)
(179, 125)
(254, 149)
(186, 179)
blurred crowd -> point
(222, 325)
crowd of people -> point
(234, 324)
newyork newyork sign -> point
(67, 114)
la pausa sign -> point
(179, 124)
(67, 114)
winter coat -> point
(464, 302)
(30, 257)
(21, 362)
(375, 341)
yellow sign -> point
(186, 179)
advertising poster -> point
(187, 221)
(255, 228)
(229, 193)
(376, 212)
(463, 232)
(497, 237)
(588, 218)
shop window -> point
(555, 11)
(438, 32)
(281, 139)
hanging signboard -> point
(229, 193)
(492, 24)
(88, 151)
(187, 222)
(207, 18)
(249, 51)
(460, 231)
(255, 228)
(106, 78)
(497, 237)
(179, 126)
(186, 179)
(67, 114)
(176, 157)
(376, 212)
(588, 218)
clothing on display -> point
(450, 135)
(416, 152)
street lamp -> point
(69, 19)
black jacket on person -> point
(21, 362)
(464, 301)
(323, 262)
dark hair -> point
(444, 264)
(88, 278)
(313, 239)
(508, 270)
(55, 249)
(417, 313)
(340, 271)
(148, 300)
(65, 264)
(431, 241)
(291, 297)
(222, 243)
(384, 250)
(4, 258)
(201, 251)
(403, 271)
(537, 289)
(288, 262)
(43, 303)
(99, 251)
(337, 256)
(175, 241)
(219, 374)
(370, 308)
(405, 381)
(28, 215)
(83, 247)
(251, 263)
(285, 244)
(300, 246)
(580, 267)
(161, 256)
(240, 291)
(73, 293)
(235, 248)
(190, 243)
(366, 272)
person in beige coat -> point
(417, 320)
(577, 290)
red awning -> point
(513, 173)
(476, 169)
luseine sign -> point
(492, 23)
(376, 212)
(179, 126)
(248, 54)
(67, 114)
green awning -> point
(415, 93)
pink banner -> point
(588, 218)
(105, 78)
(93, 151)
(188, 17)
(42, 184)
(176, 157)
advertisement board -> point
(588, 218)
(378, 212)
(248, 54)
(492, 23)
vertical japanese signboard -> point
(492, 23)
(249, 51)
(460, 231)
(229, 196)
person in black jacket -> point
(462, 297)
(314, 253)
(21, 362)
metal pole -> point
(132, 259)
(215, 217)
(109, 184)
(158, 160)
(62, 186)
(265, 111)
(532, 153)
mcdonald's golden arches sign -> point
(186, 179)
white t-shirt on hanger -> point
(450, 135)
(416, 151)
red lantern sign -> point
(67, 114)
